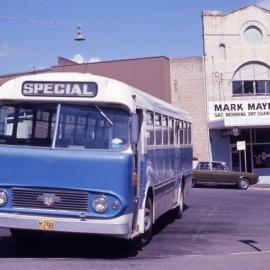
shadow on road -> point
(62, 245)
(58, 245)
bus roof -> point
(73, 87)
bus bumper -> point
(118, 227)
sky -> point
(34, 33)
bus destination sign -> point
(59, 89)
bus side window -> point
(176, 132)
(158, 129)
(149, 128)
(189, 133)
(171, 131)
(185, 132)
(165, 129)
(181, 132)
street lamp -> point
(79, 36)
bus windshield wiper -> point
(104, 115)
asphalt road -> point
(221, 228)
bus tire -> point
(145, 238)
(178, 211)
(26, 236)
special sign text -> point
(59, 89)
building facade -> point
(237, 83)
(187, 91)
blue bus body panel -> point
(94, 171)
(159, 166)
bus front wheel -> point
(144, 239)
(148, 222)
(178, 211)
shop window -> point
(243, 136)
(262, 135)
(260, 87)
(252, 78)
(248, 87)
(261, 156)
(267, 87)
(237, 87)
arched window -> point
(253, 35)
(222, 51)
(252, 78)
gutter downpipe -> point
(209, 152)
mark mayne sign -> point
(240, 112)
(59, 89)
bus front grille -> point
(51, 199)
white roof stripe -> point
(109, 90)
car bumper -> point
(119, 227)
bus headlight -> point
(100, 204)
(3, 198)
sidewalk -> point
(259, 185)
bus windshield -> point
(92, 127)
(81, 127)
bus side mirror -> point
(134, 138)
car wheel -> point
(243, 183)
(178, 211)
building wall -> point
(228, 29)
(151, 74)
(187, 91)
(233, 53)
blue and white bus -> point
(87, 154)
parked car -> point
(216, 172)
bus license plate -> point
(45, 225)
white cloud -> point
(78, 58)
(94, 60)
(6, 50)
(263, 3)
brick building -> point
(237, 81)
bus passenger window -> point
(181, 132)
(165, 129)
(171, 131)
(185, 132)
(176, 132)
(189, 133)
(158, 129)
(150, 128)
